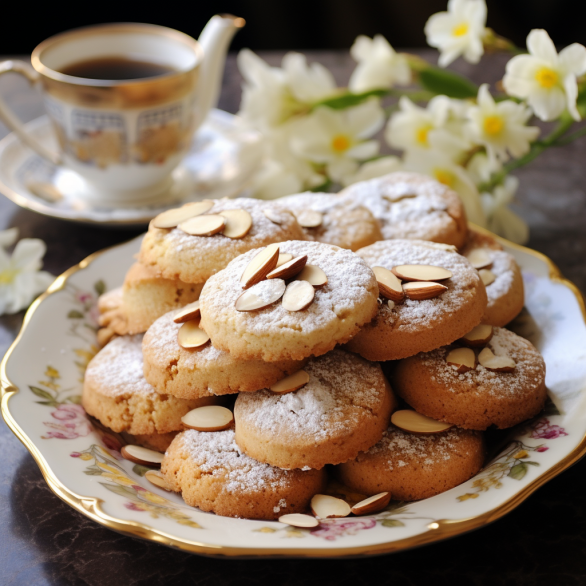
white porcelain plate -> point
(223, 157)
(41, 386)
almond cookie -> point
(339, 307)
(174, 254)
(213, 474)
(116, 392)
(143, 298)
(200, 372)
(345, 223)
(481, 396)
(342, 410)
(159, 442)
(413, 206)
(412, 466)
(404, 328)
(501, 276)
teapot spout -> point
(214, 40)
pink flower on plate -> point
(84, 297)
(72, 424)
(331, 529)
(543, 429)
(542, 449)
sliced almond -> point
(324, 506)
(479, 258)
(479, 336)
(413, 422)
(299, 520)
(462, 359)
(273, 216)
(373, 504)
(309, 218)
(283, 258)
(187, 313)
(421, 273)
(391, 304)
(203, 225)
(298, 296)
(419, 290)
(289, 269)
(313, 275)
(156, 478)
(261, 295)
(140, 455)
(190, 335)
(176, 216)
(488, 359)
(291, 383)
(260, 266)
(238, 223)
(389, 286)
(208, 418)
(487, 276)
(104, 335)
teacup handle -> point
(9, 118)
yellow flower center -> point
(340, 143)
(7, 276)
(444, 176)
(460, 30)
(421, 135)
(493, 125)
(546, 77)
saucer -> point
(222, 159)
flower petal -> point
(571, 88)
(540, 44)
(573, 59)
(28, 253)
(548, 104)
(8, 237)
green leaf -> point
(42, 393)
(74, 314)
(140, 470)
(121, 490)
(532, 463)
(349, 99)
(518, 471)
(75, 399)
(48, 403)
(91, 472)
(448, 83)
(392, 523)
(100, 287)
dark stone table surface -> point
(543, 541)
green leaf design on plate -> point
(140, 470)
(518, 471)
(532, 463)
(100, 287)
(441, 81)
(74, 314)
(121, 490)
(392, 523)
(42, 394)
(91, 472)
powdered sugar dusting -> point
(503, 266)
(117, 370)
(418, 450)
(342, 388)
(414, 315)
(529, 370)
(350, 284)
(216, 454)
(406, 204)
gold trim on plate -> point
(438, 530)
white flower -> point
(459, 31)
(8, 237)
(272, 95)
(481, 167)
(439, 126)
(20, 278)
(500, 219)
(544, 78)
(379, 65)
(336, 138)
(373, 169)
(501, 127)
(438, 165)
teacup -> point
(124, 137)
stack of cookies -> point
(267, 347)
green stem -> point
(571, 137)
(537, 148)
